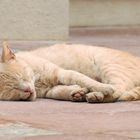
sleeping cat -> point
(70, 72)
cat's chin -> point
(27, 96)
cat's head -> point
(16, 77)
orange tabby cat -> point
(70, 72)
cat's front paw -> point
(78, 95)
(107, 90)
(95, 97)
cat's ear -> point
(7, 53)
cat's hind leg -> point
(132, 95)
(69, 93)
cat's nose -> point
(27, 87)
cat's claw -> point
(78, 95)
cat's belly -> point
(83, 66)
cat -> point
(69, 72)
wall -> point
(34, 19)
(104, 12)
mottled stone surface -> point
(67, 120)
(18, 129)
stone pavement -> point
(46, 119)
(63, 120)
